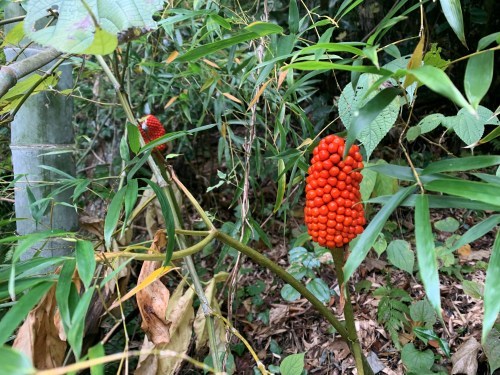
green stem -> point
(338, 260)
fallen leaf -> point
(464, 251)
(374, 362)
(38, 337)
(465, 358)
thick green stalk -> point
(338, 261)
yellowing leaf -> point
(415, 60)
(231, 97)
(282, 77)
(211, 63)
(170, 102)
(259, 93)
(172, 57)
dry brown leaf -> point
(38, 337)
(465, 358)
(464, 251)
(153, 300)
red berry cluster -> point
(333, 212)
(151, 129)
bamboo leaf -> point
(281, 185)
(323, 65)
(426, 254)
(437, 80)
(487, 40)
(366, 240)
(453, 12)
(63, 290)
(477, 231)
(462, 164)
(85, 261)
(293, 17)
(16, 314)
(478, 77)
(97, 351)
(480, 191)
(441, 201)
(75, 332)
(113, 215)
(491, 290)
(15, 362)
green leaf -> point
(364, 242)
(358, 107)
(441, 201)
(477, 231)
(473, 289)
(32, 239)
(428, 334)
(76, 31)
(453, 12)
(252, 31)
(75, 333)
(131, 194)
(113, 215)
(380, 245)
(168, 215)
(133, 138)
(480, 191)
(487, 40)
(478, 77)
(462, 164)
(323, 65)
(281, 185)
(491, 290)
(15, 362)
(85, 261)
(426, 254)
(438, 81)
(292, 364)
(422, 311)
(320, 290)
(368, 183)
(293, 17)
(97, 351)
(15, 35)
(289, 293)
(63, 290)
(492, 349)
(415, 360)
(17, 313)
(449, 224)
(470, 128)
(364, 117)
(400, 255)
(331, 47)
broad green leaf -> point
(400, 255)
(292, 364)
(17, 313)
(281, 185)
(363, 118)
(487, 40)
(468, 127)
(97, 351)
(15, 362)
(416, 361)
(113, 215)
(480, 191)
(477, 231)
(473, 289)
(76, 330)
(133, 138)
(437, 80)
(85, 261)
(478, 77)
(492, 349)
(368, 183)
(252, 31)
(449, 224)
(168, 215)
(491, 290)
(75, 30)
(462, 164)
(320, 290)
(426, 125)
(426, 254)
(289, 293)
(15, 35)
(353, 110)
(293, 17)
(453, 12)
(364, 242)
(422, 311)
(428, 334)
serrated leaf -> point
(426, 254)
(75, 30)
(421, 311)
(362, 245)
(292, 364)
(491, 290)
(399, 253)
(478, 77)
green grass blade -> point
(426, 254)
(462, 164)
(491, 290)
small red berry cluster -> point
(151, 128)
(334, 214)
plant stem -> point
(338, 261)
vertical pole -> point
(42, 125)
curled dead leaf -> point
(465, 358)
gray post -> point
(43, 125)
